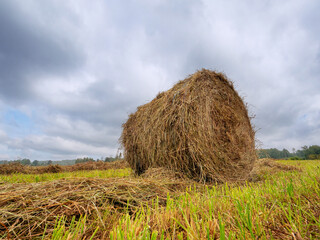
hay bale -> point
(199, 127)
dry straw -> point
(267, 166)
(28, 211)
(200, 127)
(12, 168)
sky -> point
(72, 70)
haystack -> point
(200, 127)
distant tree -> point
(25, 161)
(35, 163)
(262, 153)
(274, 153)
(312, 152)
(285, 153)
(294, 158)
(301, 154)
(83, 160)
(110, 159)
(50, 162)
(314, 149)
(313, 156)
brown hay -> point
(29, 210)
(26, 209)
(12, 168)
(200, 128)
(163, 173)
(266, 166)
(49, 169)
(99, 165)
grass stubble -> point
(281, 201)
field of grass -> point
(281, 205)
(31, 178)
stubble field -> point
(280, 201)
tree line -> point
(306, 152)
(26, 161)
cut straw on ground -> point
(161, 199)
(99, 165)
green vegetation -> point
(285, 205)
(311, 152)
(30, 178)
(74, 230)
(83, 160)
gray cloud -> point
(77, 69)
(31, 48)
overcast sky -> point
(72, 70)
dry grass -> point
(19, 168)
(163, 173)
(200, 128)
(31, 210)
(165, 200)
(267, 166)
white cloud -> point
(57, 146)
(90, 64)
(3, 135)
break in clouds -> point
(72, 71)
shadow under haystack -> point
(200, 127)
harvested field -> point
(200, 128)
(162, 204)
(99, 165)
(163, 173)
(31, 210)
(265, 166)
